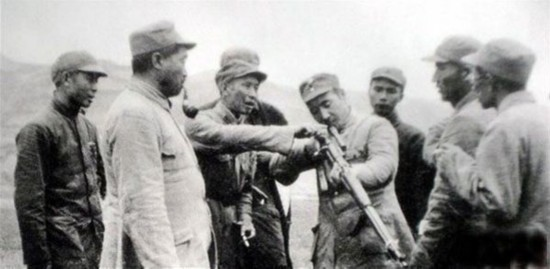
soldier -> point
(229, 173)
(156, 212)
(445, 218)
(509, 177)
(414, 179)
(270, 247)
(59, 173)
(344, 238)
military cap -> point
(156, 36)
(504, 58)
(239, 53)
(75, 61)
(391, 73)
(453, 49)
(238, 69)
(317, 85)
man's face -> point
(329, 108)
(450, 80)
(384, 96)
(173, 73)
(483, 85)
(81, 88)
(241, 95)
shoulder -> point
(409, 134)
(42, 122)
(410, 130)
(474, 114)
(209, 114)
(132, 104)
(375, 122)
(272, 114)
(376, 126)
(525, 118)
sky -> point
(295, 39)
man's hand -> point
(336, 174)
(247, 230)
(306, 131)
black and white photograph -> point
(253, 134)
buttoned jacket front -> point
(156, 193)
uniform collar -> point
(146, 89)
(222, 110)
(514, 99)
(468, 98)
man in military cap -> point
(446, 217)
(156, 215)
(344, 238)
(270, 247)
(229, 173)
(508, 177)
(414, 179)
(59, 173)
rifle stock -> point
(335, 154)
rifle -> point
(335, 154)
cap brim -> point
(93, 68)
(390, 78)
(316, 93)
(261, 76)
(188, 45)
(472, 59)
(434, 59)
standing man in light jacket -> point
(447, 214)
(155, 212)
(509, 177)
(344, 238)
(59, 173)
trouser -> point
(229, 244)
(91, 242)
(267, 248)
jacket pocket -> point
(64, 238)
(170, 159)
(349, 217)
(182, 237)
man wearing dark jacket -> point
(414, 179)
(270, 247)
(59, 173)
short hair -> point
(142, 63)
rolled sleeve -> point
(138, 165)
(381, 164)
(213, 136)
(31, 174)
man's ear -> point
(156, 60)
(66, 77)
(464, 72)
